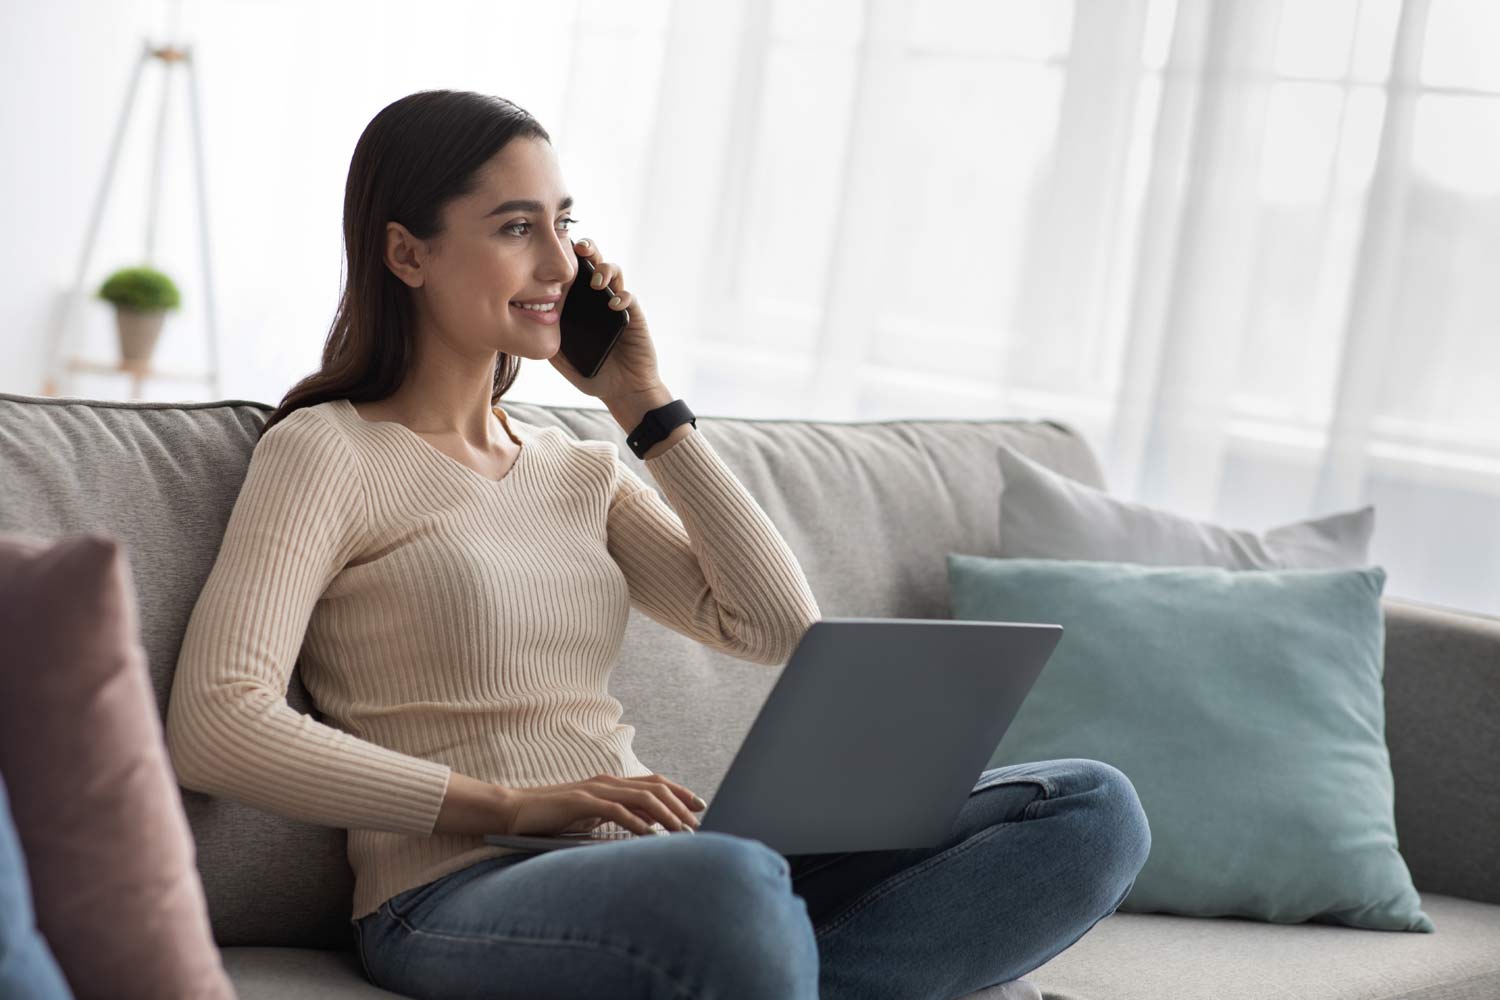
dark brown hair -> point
(415, 156)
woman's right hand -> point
(580, 806)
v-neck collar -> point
(402, 429)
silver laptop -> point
(871, 739)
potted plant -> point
(141, 297)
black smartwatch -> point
(657, 424)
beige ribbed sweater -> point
(446, 621)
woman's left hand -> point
(631, 365)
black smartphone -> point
(590, 328)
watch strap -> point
(658, 424)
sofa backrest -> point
(869, 508)
(163, 478)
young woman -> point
(457, 584)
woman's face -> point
(509, 241)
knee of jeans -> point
(735, 867)
(730, 876)
(734, 896)
(1121, 815)
(728, 848)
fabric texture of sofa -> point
(871, 509)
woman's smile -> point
(547, 313)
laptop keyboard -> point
(610, 830)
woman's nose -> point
(561, 261)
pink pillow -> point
(94, 797)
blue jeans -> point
(1039, 854)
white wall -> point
(282, 110)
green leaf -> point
(140, 288)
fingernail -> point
(598, 280)
(699, 802)
(614, 302)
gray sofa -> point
(870, 508)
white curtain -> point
(1249, 248)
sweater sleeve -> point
(299, 517)
(707, 562)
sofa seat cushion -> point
(1152, 956)
(299, 974)
(1126, 956)
(315, 974)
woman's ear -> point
(405, 255)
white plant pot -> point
(139, 330)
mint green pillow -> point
(1244, 705)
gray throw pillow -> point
(1045, 515)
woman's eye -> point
(527, 226)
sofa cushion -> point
(1044, 515)
(300, 974)
(1441, 673)
(94, 798)
(1134, 956)
(1245, 706)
